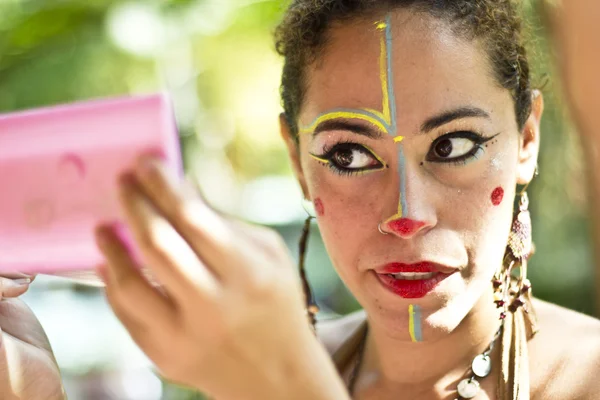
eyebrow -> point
(347, 125)
(452, 115)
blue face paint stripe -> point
(418, 323)
(402, 173)
(390, 76)
(394, 116)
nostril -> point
(405, 226)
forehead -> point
(433, 70)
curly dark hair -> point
(496, 23)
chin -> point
(438, 312)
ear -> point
(530, 141)
(293, 148)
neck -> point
(400, 365)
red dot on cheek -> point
(319, 207)
(497, 196)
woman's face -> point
(404, 128)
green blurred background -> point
(217, 59)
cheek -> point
(488, 215)
(340, 213)
(343, 202)
(348, 210)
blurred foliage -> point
(216, 58)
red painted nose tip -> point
(405, 226)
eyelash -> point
(329, 151)
(474, 154)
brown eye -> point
(344, 158)
(351, 157)
(455, 146)
(444, 148)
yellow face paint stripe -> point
(323, 160)
(380, 119)
(341, 115)
(411, 322)
(414, 323)
(396, 216)
(383, 76)
(383, 163)
(384, 120)
(379, 115)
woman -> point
(410, 126)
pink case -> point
(58, 170)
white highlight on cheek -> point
(496, 163)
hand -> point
(573, 25)
(229, 319)
(28, 369)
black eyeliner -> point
(328, 154)
(477, 139)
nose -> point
(415, 204)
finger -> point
(20, 378)
(168, 255)
(13, 287)
(141, 333)
(17, 276)
(209, 234)
(131, 293)
(17, 319)
(150, 337)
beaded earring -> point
(511, 292)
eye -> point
(353, 159)
(350, 157)
(456, 146)
(453, 148)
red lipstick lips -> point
(411, 281)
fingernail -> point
(22, 281)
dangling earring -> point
(311, 306)
(512, 293)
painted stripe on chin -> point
(414, 323)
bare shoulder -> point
(334, 332)
(565, 354)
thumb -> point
(13, 287)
